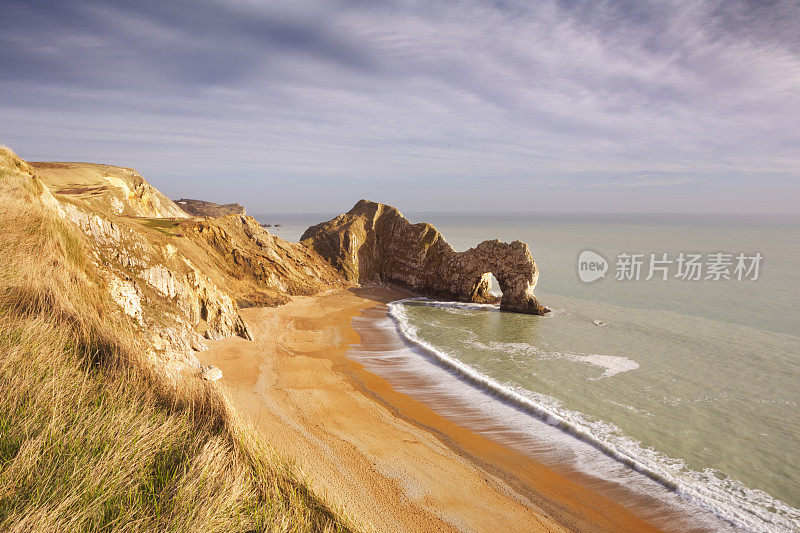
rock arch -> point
(375, 242)
(481, 292)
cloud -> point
(384, 94)
(646, 181)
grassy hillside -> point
(90, 438)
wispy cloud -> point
(377, 96)
(646, 181)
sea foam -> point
(750, 509)
(611, 364)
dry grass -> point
(90, 439)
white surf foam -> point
(611, 364)
(747, 508)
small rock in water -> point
(212, 373)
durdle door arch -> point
(376, 242)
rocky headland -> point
(375, 242)
(178, 278)
(201, 208)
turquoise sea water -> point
(695, 383)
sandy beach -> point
(384, 457)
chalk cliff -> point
(375, 242)
(256, 267)
(178, 279)
(107, 189)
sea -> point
(654, 375)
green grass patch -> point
(162, 225)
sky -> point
(462, 106)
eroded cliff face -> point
(256, 267)
(177, 278)
(107, 189)
(171, 301)
(375, 242)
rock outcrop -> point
(256, 267)
(375, 242)
(211, 373)
(201, 208)
(178, 279)
(171, 300)
(107, 189)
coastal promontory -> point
(375, 242)
(202, 208)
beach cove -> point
(384, 456)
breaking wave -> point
(750, 509)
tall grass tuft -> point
(91, 439)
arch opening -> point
(486, 289)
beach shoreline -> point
(385, 457)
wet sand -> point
(386, 458)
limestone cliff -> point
(201, 208)
(375, 242)
(256, 267)
(177, 278)
(107, 189)
(172, 301)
